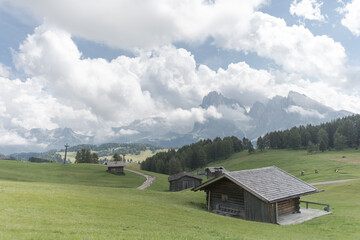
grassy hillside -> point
(63, 211)
(79, 174)
(348, 163)
(79, 206)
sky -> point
(93, 65)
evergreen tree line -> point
(85, 156)
(338, 134)
(196, 155)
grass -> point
(78, 174)
(161, 183)
(296, 161)
(33, 207)
(63, 211)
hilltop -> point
(52, 207)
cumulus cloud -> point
(10, 138)
(161, 87)
(107, 89)
(304, 112)
(232, 24)
(4, 71)
(127, 132)
(27, 105)
(351, 17)
(295, 48)
(138, 23)
(307, 9)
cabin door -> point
(187, 184)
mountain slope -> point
(232, 118)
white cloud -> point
(4, 71)
(164, 85)
(303, 112)
(231, 24)
(128, 132)
(295, 48)
(133, 23)
(351, 18)
(182, 120)
(108, 89)
(308, 9)
(9, 138)
(27, 105)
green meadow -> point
(347, 162)
(53, 201)
(75, 174)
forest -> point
(196, 155)
(338, 134)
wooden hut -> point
(184, 180)
(211, 172)
(261, 194)
(116, 167)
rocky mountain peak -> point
(216, 99)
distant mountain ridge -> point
(41, 140)
(278, 113)
(217, 99)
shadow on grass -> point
(197, 205)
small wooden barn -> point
(116, 167)
(211, 172)
(261, 194)
(184, 180)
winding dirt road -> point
(149, 179)
(331, 182)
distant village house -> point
(116, 167)
(263, 194)
(184, 180)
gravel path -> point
(331, 182)
(149, 179)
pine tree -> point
(311, 147)
(260, 143)
(250, 148)
(116, 157)
(322, 146)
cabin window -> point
(224, 197)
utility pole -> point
(124, 157)
(66, 146)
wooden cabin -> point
(261, 194)
(116, 167)
(211, 172)
(184, 180)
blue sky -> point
(71, 64)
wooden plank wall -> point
(257, 210)
(288, 206)
(235, 195)
(116, 169)
(179, 184)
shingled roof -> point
(270, 184)
(183, 174)
(115, 164)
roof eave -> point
(207, 183)
(294, 196)
(232, 180)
